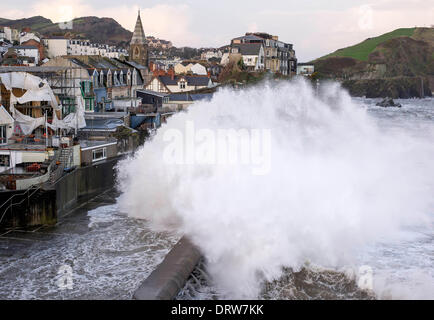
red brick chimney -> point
(171, 73)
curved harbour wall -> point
(170, 276)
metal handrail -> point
(55, 159)
(18, 203)
(15, 195)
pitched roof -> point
(197, 81)
(138, 34)
(152, 93)
(135, 65)
(249, 49)
(25, 47)
(250, 37)
(191, 80)
(190, 96)
(103, 124)
(167, 80)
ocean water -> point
(96, 252)
(346, 211)
(342, 207)
(400, 268)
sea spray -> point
(335, 183)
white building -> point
(305, 69)
(28, 51)
(182, 83)
(225, 59)
(85, 47)
(252, 54)
(56, 46)
(79, 47)
(198, 69)
(211, 54)
(28, 36)
(11, 34)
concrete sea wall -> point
(170, 276)
(27, 208)
(84, 181)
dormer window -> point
(109, 78)
(121, 77)
(101, 78)
(182, 84)
(116, 79)
(95, 79)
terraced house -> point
(107, 84)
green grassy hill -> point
(406, 53)
(402, 52)
(362, 50)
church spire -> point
(138, 34)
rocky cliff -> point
(396, 64)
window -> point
(4, 160)
(99, 154)
(95, 80)
(109, 79)
(182, 84)
(3, 136)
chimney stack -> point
(171, 72)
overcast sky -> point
(314, 27)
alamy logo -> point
(64, 280)
(219, 147)
(66, 15)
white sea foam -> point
(337, 182)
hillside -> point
(362, 50)
(406, 53)
(100, 30)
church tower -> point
(138, 46)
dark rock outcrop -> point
(395, 88)
(388, 102)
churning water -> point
(348, 194)
(96, 252)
